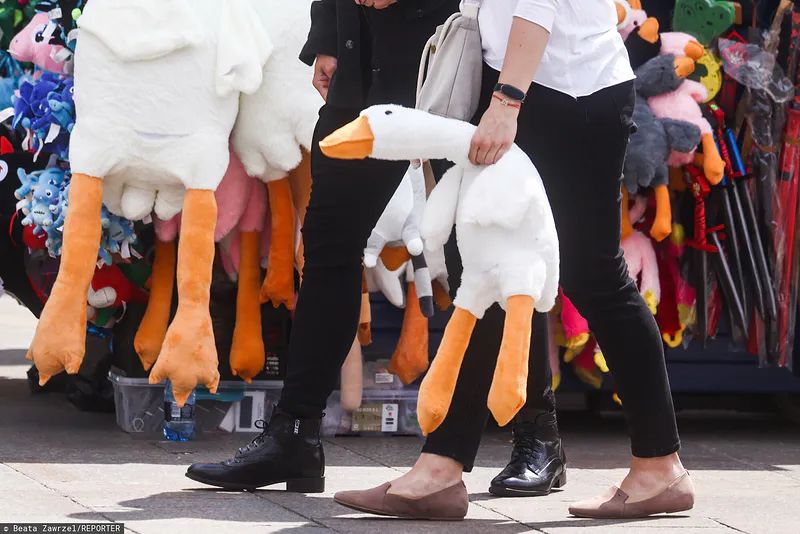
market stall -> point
(710, 210)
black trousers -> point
(578, 146)
(347, 198)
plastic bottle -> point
(178, 422)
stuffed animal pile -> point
(156, 107)
(199, 118)
(670, 131)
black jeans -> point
(347, 198)
(578, 146)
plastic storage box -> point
(383, 412)
(235, 406)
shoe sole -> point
(637, 516)
(501, 491)
(387, 514)
(294, 485)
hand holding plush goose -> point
(506, 237)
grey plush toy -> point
(654, 139)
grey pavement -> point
(61, 465)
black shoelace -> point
(262, 425)
(526, 445)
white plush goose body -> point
(157, 88)
(272, 136)
(506, 238)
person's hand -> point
(324, 67)
(495, 134)
(377, 4)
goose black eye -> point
(388, 112)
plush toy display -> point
(671, 96)
(29, 46)
(575, 327)
(397, 240)
(13, 241)
(45, 109)
(704, 19)
(652, 144)
(14, 14)
(639, 31)
(506, 238)
(110, 289)
(680, 44)
(241, 208)
(272, 136)
(157, 103)
(642, 266)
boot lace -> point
(262, 425)
(526, 445)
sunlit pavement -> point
(58, 464)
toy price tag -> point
(389, 417)
(384, 378)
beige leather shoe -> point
(615, 504)
(449, 504)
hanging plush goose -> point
(506, 237)
(272, 136)
(157, 88)
(241, 212)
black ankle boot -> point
(537, 462)
(288, 450)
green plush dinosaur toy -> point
(703, 19)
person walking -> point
(557, 80)
(364, 52)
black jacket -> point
(378, 50)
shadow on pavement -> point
(259, 506)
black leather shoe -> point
(288, 450)
(537, 462)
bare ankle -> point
(439, 467)
(660, 467)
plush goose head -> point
(396, 133)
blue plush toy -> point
(118, 237)
(28, 182)
(44, 202)
(40, 214)
(46, 109)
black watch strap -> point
(514, 93)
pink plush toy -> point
(44, 55)
(684, 104)
(642, 266)
(241, 215)
(681, 44)
(234, 195)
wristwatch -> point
(509, 91)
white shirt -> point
(585, 52)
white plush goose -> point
(272, 137)
(157, 88)
(506, 237)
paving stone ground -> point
(59, 464)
